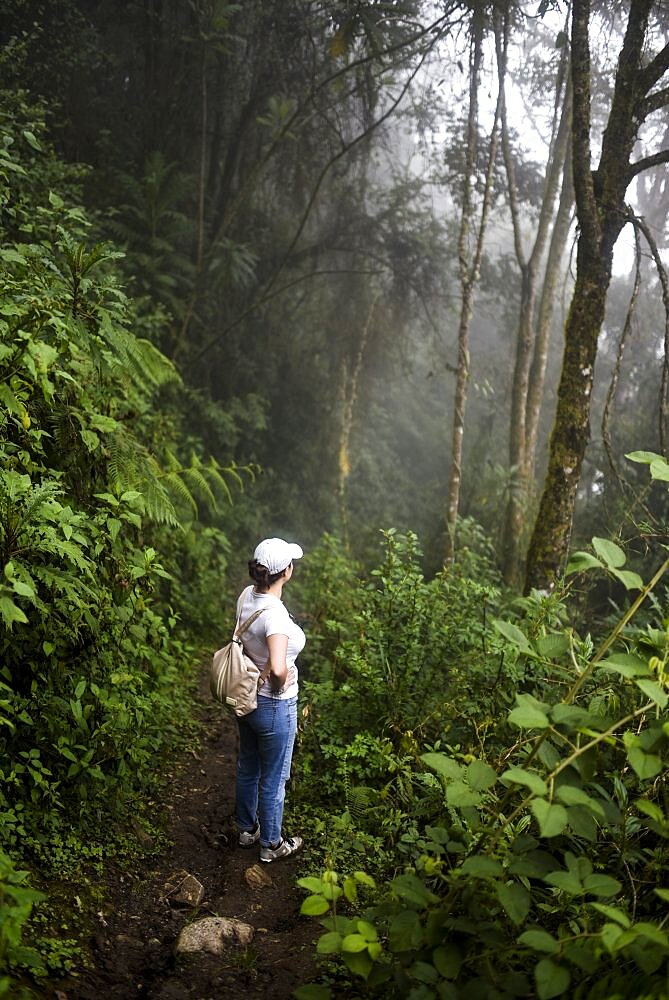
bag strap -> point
(239, 631)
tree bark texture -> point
(601, 213)
(520, 451)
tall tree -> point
(602, 213)
(470, 249)
(533, 324)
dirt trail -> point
(133, 950)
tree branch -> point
(647, 162)
(653, 102)
(655, 69)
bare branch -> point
(647, 162)
(655, 69)
(653, 102)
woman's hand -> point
(278, 671)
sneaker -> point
(247, 838)
(285, 847)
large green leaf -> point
(515, 899)
(653, 691)
(580, 561)
(481, 866)
(405, 932)
(539, 940)
(552, 979)
(330, 943)
(460, 795)
(447, 960)
(442, 764)
(602, 885)
(481, 775)
(659, 469)
(646, 457)
(609, 552)
(411, 888)
(552, 818)
(514, 635)
(520, 776)
(529, 713)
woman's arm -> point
(278, 671)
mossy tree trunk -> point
(602, 213)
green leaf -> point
(565, 881)
(31, 140)
(515, 899)
(552, 818)
(313, 906)
(662, 893)
(659, 469)
(447, 960)
(609, 552)
(359, 963)
(460, 795)
(625, 664)
(519, 776)
(411, 888)
(364, 879)
(553, 645)
(442, 764)
(612, 913)
(552, 980)
(514, 635)
(354, 942)
(569, 715)
(311, 883)
(646, 765)
(481, 775)
(539, 941)
(581, 561)
(330, 943)
(405, 932)
(530, 713)
(481, 866)
(602, 885)
(631, 581)
(572, 796)
(367, 930)
(646, 457)
(11, 613)
(653, 691)
(55, 200)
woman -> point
(267, 734)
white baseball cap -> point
(276, 555)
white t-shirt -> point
(275, 620)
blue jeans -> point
(266, 738)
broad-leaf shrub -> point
(524, 852)
(95, 480)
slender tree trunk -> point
(469, 262)
(526, 335)
(348, 396)
(552, 277)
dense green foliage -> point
(283, 184)
(490, 788)
(100, 479)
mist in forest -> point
(323, 238)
